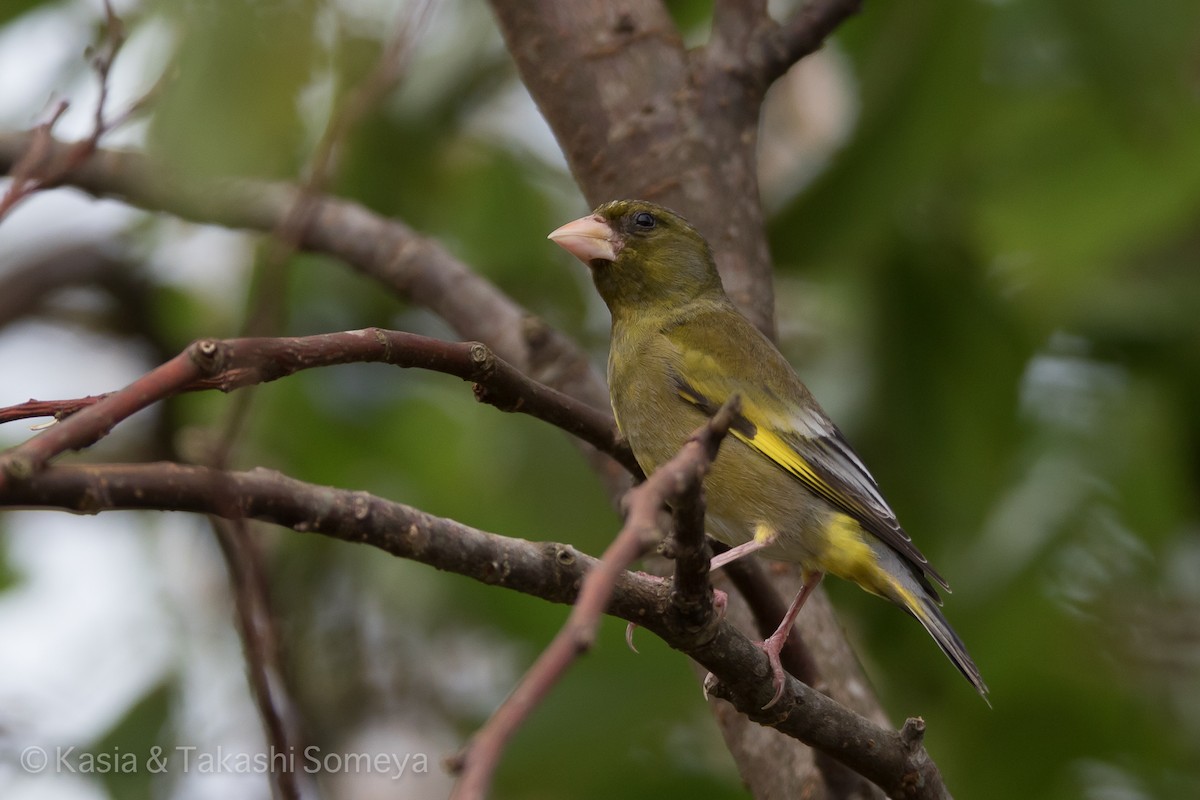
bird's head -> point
(642, 256)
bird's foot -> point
(772, 646)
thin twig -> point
(677, 481)
(234, 363)
(36, 170)
(25, 180)
(692, 595)
(260, 641)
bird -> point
(786, 484)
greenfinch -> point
(786, 484)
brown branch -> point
(895, 761)
(735, 45)
(678, 483)
(235, 363)
(692, 592)
(802, 33)
(58, 409)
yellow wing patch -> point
(772, 446)
(775, 448)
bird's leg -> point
(763, 537)
(734, 553)
(774, 643)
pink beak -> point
(588, 239)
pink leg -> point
(774, 643)
(734, 553)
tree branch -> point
(260, 642)
(897, 762)
(803, 33)
(235, 363)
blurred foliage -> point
(994, 284)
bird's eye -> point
(644, 220)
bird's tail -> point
(908, 592)
(927, 612)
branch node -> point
(209, 356)
(361, 506)
(483, 359)
(564, 556)
(912, 733)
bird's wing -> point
(802, 441)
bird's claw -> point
(772, 646)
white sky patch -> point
(60, 218)
(511, 116)
(85, 633)
(808, 115)
(210, 260)
(36, 51)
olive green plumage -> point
(786, 476)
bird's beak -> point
(588, 239)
